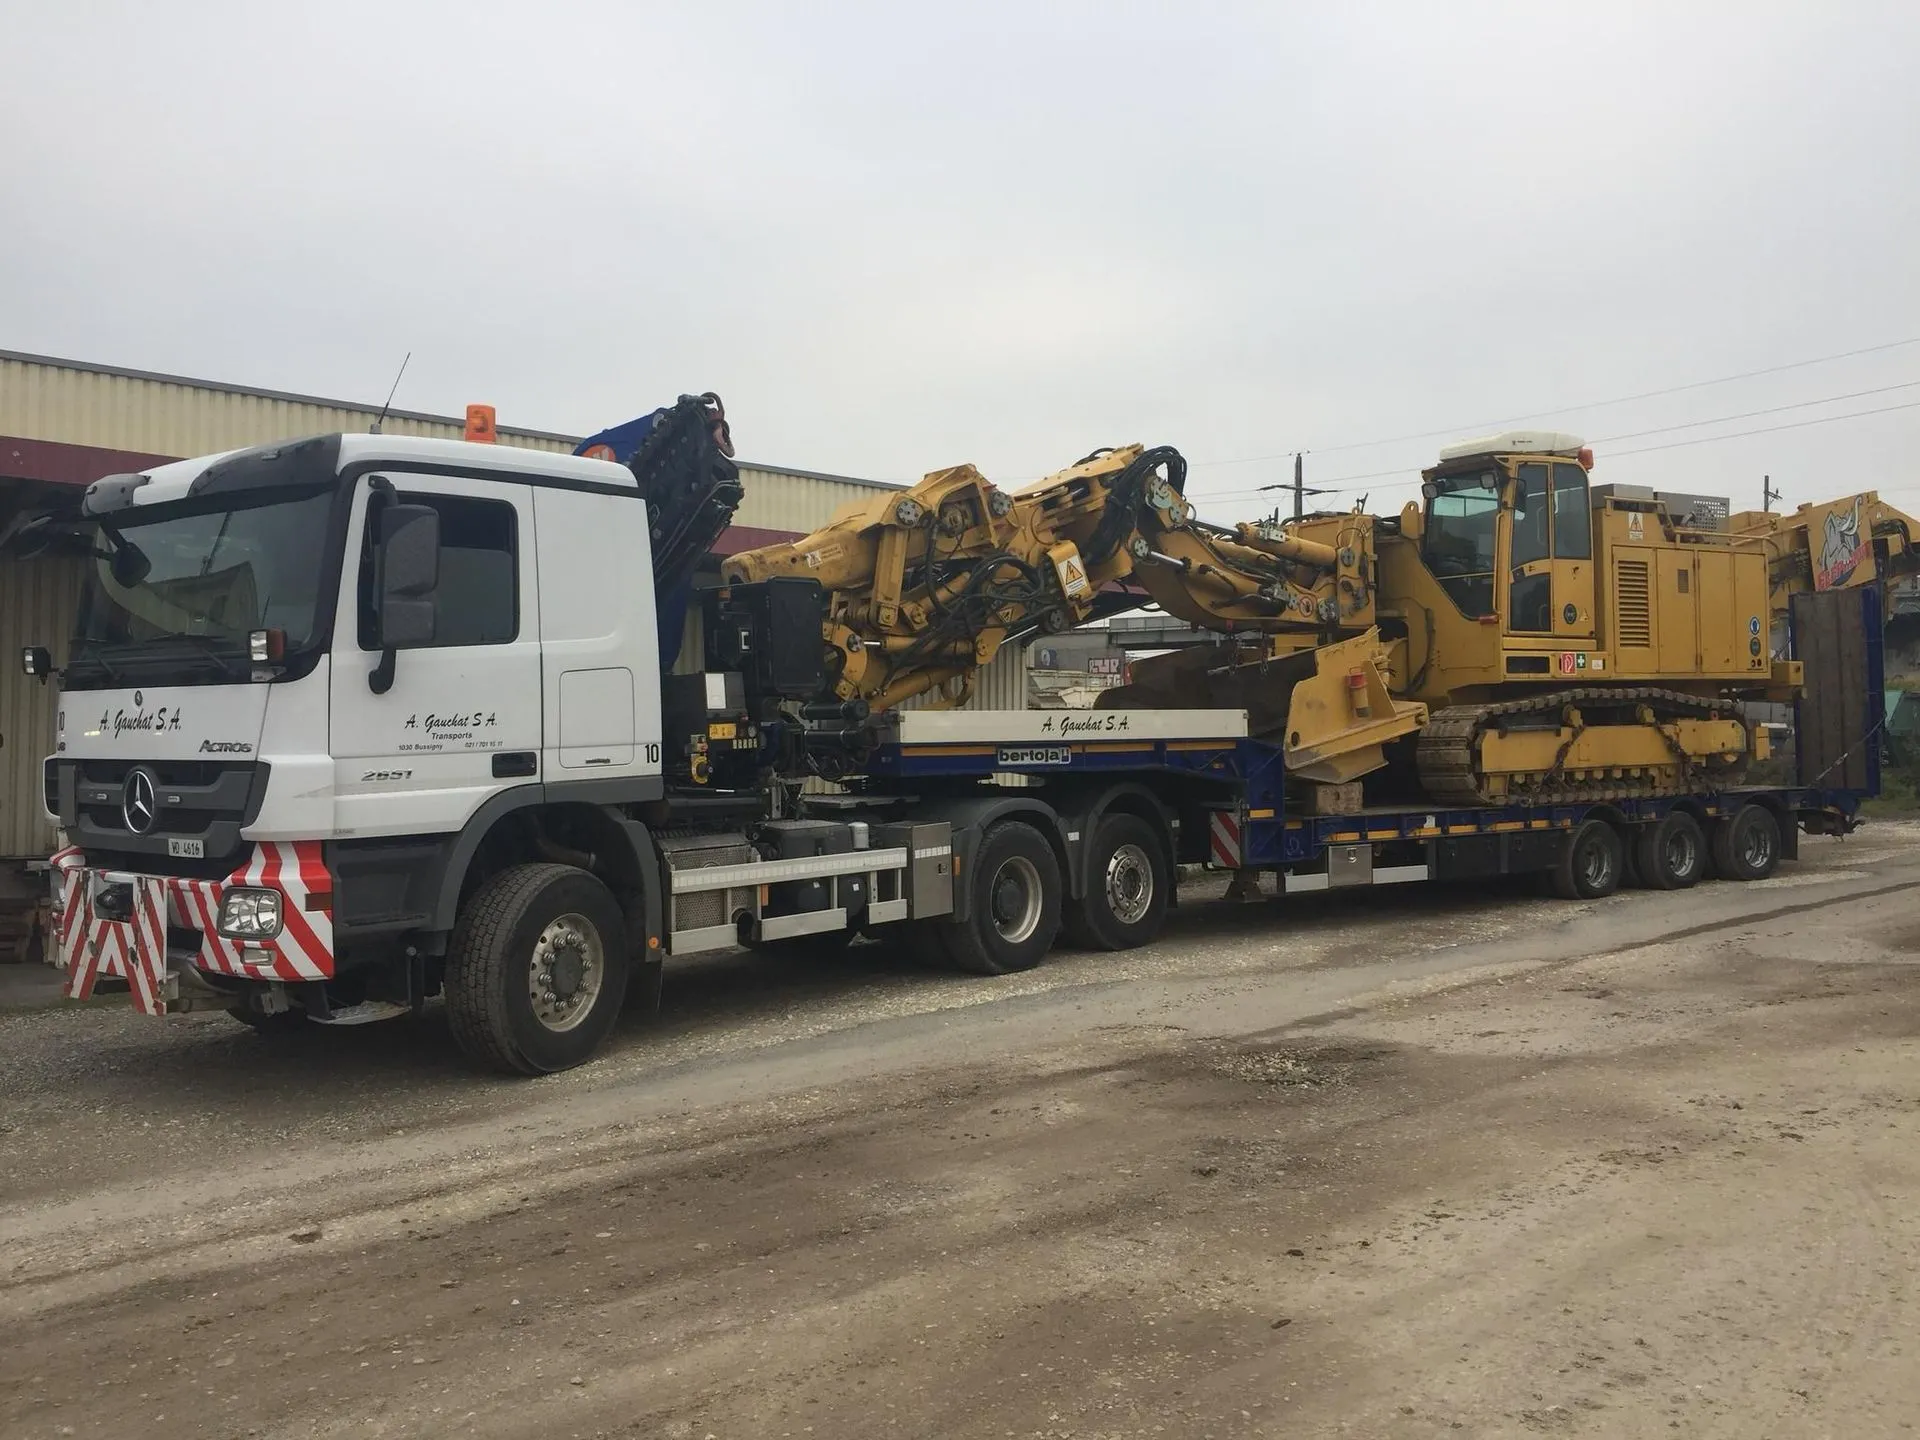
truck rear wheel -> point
(1746, 844)
(537, 971)
(1590, 866)
(1671, 853)
(1128, 886)
(1015, 890)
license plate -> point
(187, 849)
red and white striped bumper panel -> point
(90, 944)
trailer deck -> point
(1238, 782)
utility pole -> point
(1767, 493)
(1299, 487)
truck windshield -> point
(1458, 545)
(213, 575)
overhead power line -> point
(1752, 414)
(1347, 482)
(1479, 425)
(1770, 429)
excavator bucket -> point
(1328, 708)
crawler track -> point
(1449, 747)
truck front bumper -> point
(153, 931)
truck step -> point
(365, 1013)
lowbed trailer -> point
(1211, 796)
(988, 871)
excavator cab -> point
(1508, 534)
(1460, 543)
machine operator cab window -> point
(1544, 503)
(1462, 515)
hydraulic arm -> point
(925, 586)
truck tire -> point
(1590, 866)
(1746, 844)
(1671, 853)
(1128, 887)
(1015, 889)
(537, 971)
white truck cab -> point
(323, 669)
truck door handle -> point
(515, 764)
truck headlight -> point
(248, 914)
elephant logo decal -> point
(1842, 549)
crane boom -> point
(923, 587)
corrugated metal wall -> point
(165, 415)
(790, 500)
(37, 600)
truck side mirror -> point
(129, 564)
(408, 568)
(36, 663)
(409, 574)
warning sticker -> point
(1566, 662)
(1636, 528)
(1073, 576)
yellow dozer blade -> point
(1327, 708)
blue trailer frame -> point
(1242, 782)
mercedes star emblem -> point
(139, 804)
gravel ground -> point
(1417, 1163)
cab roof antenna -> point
(380, 419)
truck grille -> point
(1635, 591)
(208, 801)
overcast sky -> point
(895, 237)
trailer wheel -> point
(538, 969)
(1670, 854)
(1016, 904)
(1746, 844)
(1128, 884)
(1590, 866)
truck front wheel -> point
(537, 971)
(1015, 890)
(1128, 885)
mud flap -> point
(113, 927)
